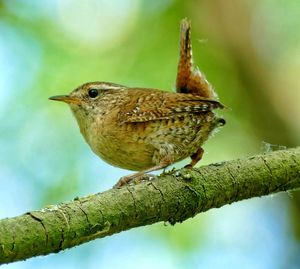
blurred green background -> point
(249, 51)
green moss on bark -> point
(172, 197)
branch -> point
(172, 197)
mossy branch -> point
(172, 197)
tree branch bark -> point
(172, 197)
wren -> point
(144, 129)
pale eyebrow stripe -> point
(110, 87)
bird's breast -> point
(120, 144)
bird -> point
(147, 129)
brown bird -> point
(145, 129)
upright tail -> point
(189, 78)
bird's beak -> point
(65, 98)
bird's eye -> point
(93, 93)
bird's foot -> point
(134, 178)
(188, 166)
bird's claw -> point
(132, 179)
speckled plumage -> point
(144, 129)
(143, 126)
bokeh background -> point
(249, 51)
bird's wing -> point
(149, 106)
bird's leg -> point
(142, 174)
(196, 157)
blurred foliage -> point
(249, 50)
